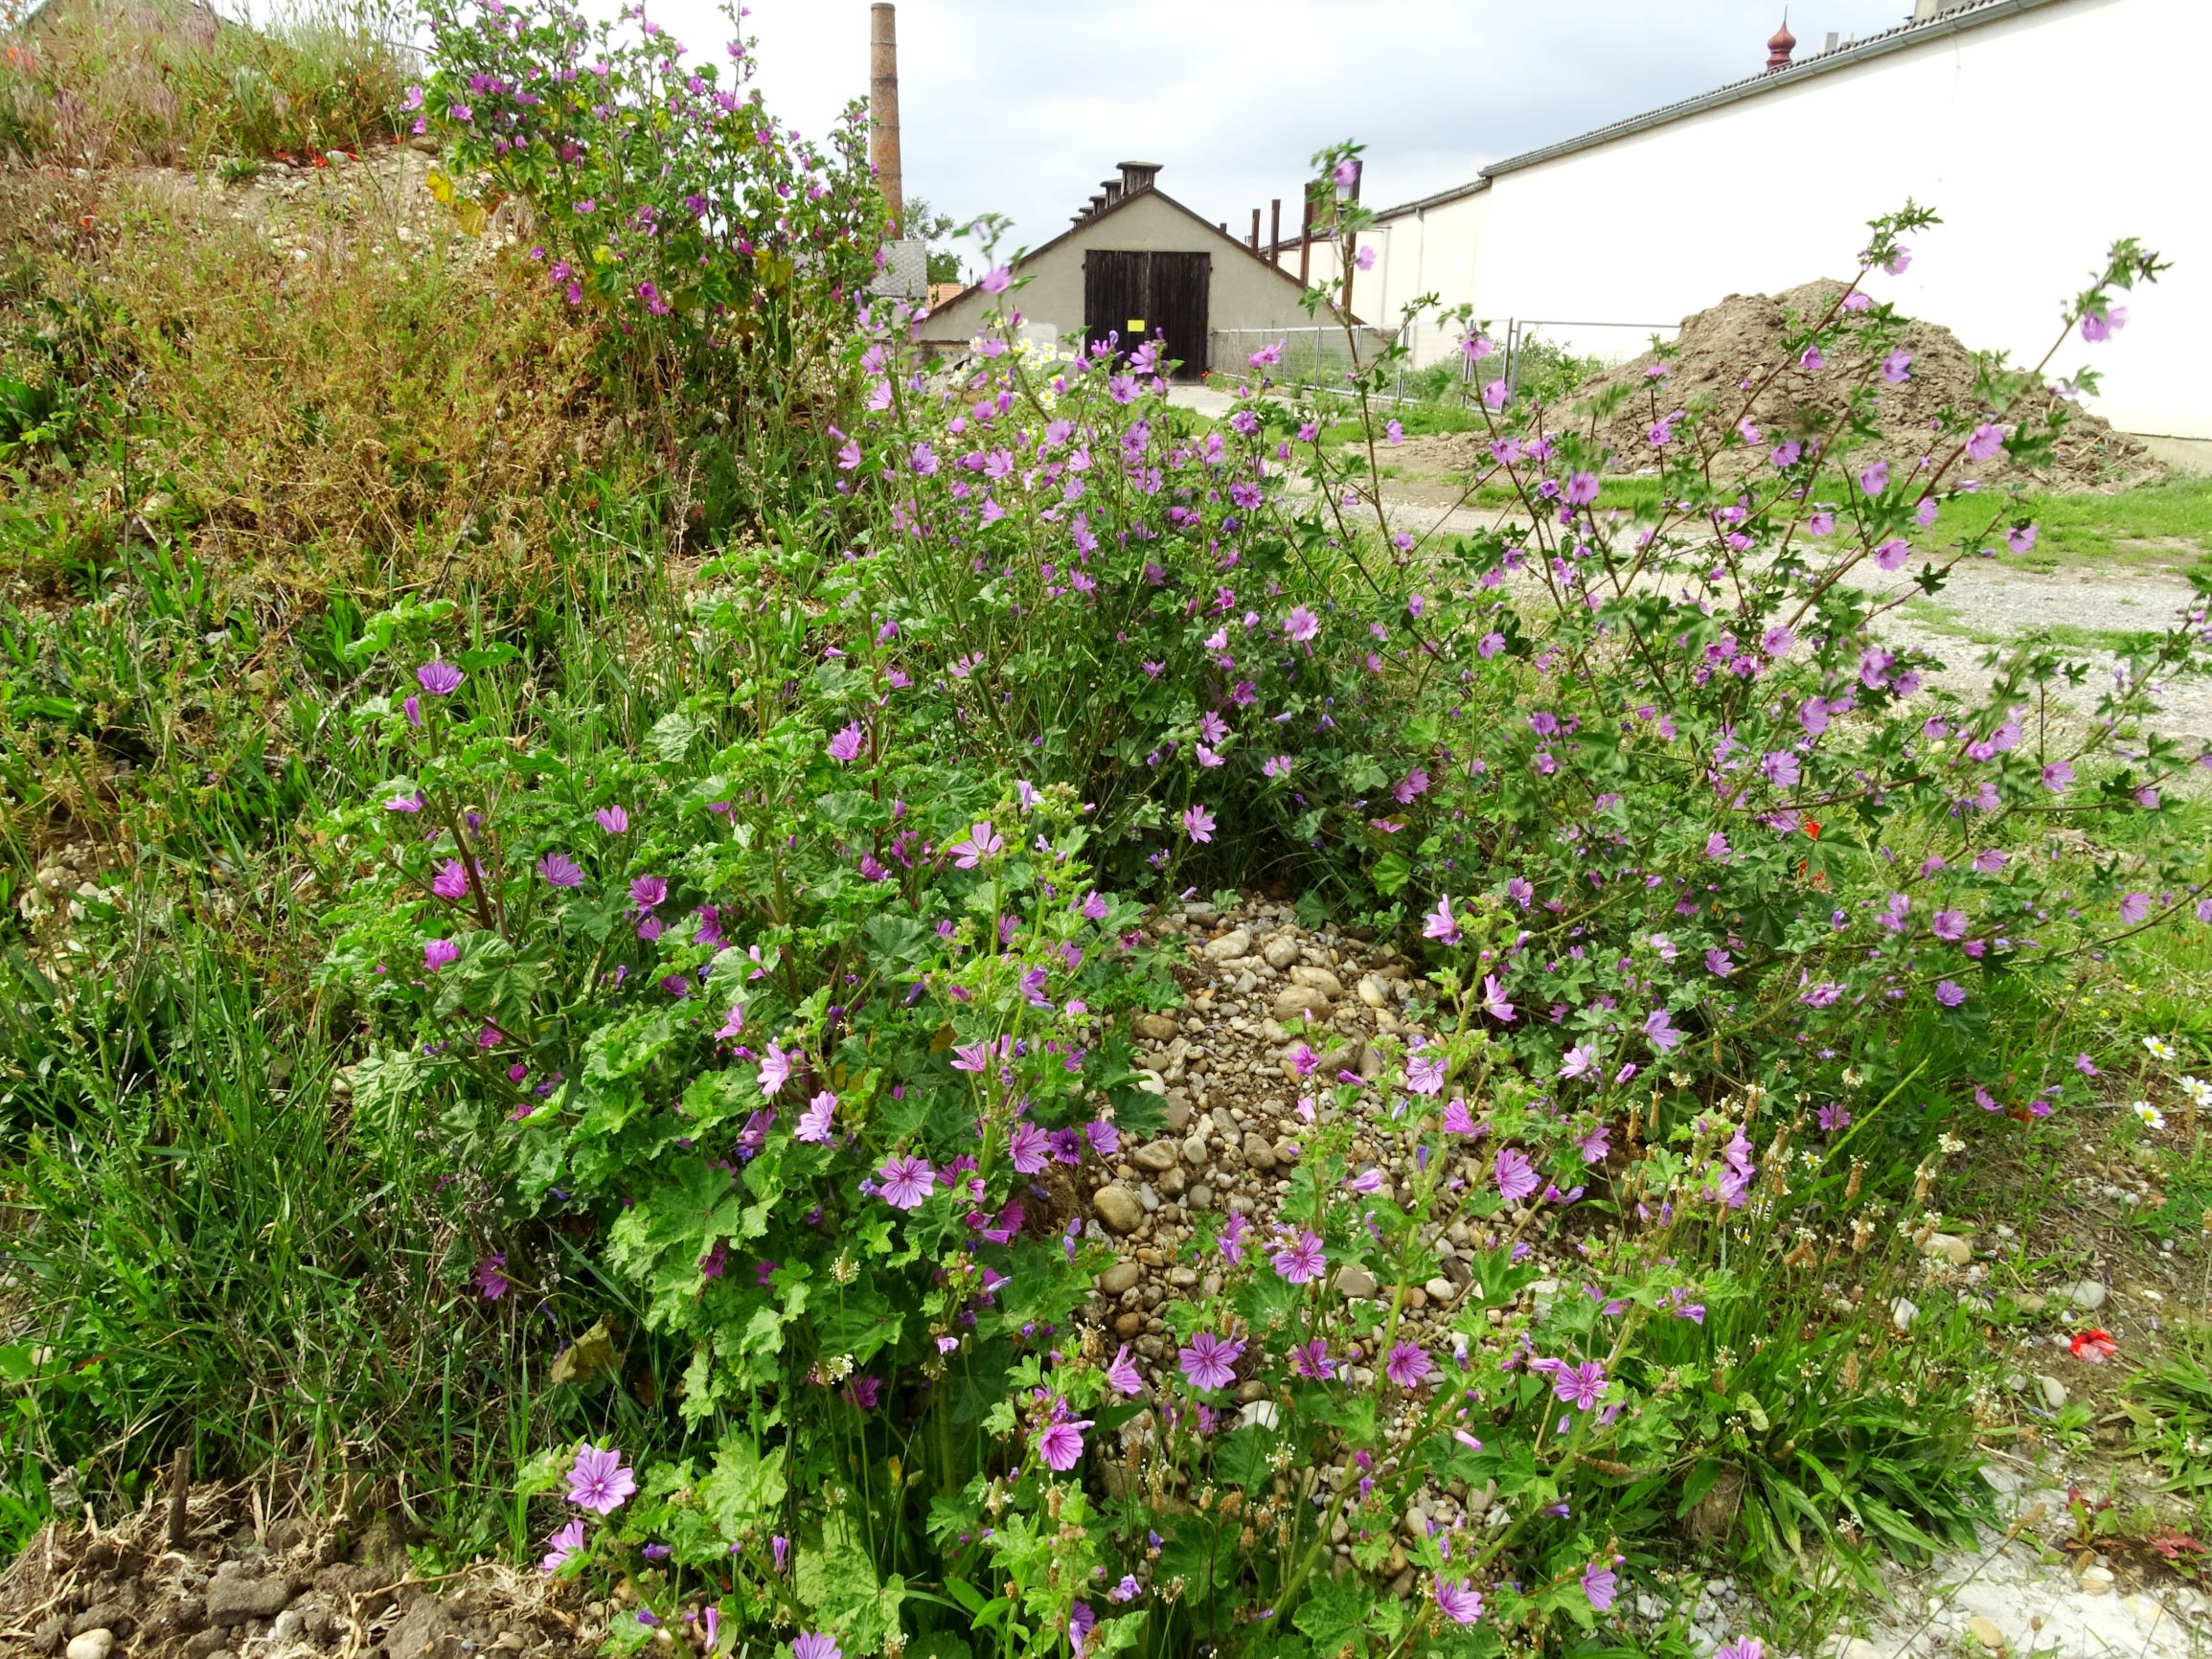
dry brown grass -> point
(289, 383)
(104, 82)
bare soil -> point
(245, 1585)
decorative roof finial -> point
(1783, 43)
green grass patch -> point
(2158, 527)
(1414, 420)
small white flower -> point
(2151, 1116)
(2160, 1049)
(2199, 1091)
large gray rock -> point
(1155, 1156)
(1118, 1209)
(419, 1632)
(1294, 1002)
(1233, 944)
(235, 1597)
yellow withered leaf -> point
(588, 1357)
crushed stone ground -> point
(1994, 598)
(2021, 1589)
(1256, 983)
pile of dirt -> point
(1737, 342)
(243, 1585)
(1744, 335)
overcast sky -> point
(1021, 106)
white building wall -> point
(2041, 137)
(1429, 252)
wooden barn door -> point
(1114, 298)
(1178, 296)
(1136, 295)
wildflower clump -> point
(794, 1015)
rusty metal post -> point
(883, 109)
(1275, 232)
(1306, 240)
(1255, 230)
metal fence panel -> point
(1320, 359)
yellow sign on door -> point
(1136, 325)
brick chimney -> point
(883, 109)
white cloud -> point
(1021, 106)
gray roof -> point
(1971, 14)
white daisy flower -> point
(2151, 1116)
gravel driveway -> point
(1983, 601)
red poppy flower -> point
(2094, 1346)
(1811, 828)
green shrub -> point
(795, 1003)
(729, 991)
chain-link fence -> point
(1317, 358)
(1540, 357)
(1540, 350)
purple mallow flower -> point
(906, 1182)
(598, 1481)
(1061, 1443)
(1516, 1177)
(439, 678)
(1300, 1260)
(1208, 1360)
(565, 1543)
(1457, 1602)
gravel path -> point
(1991, 599)
(1256, 984)
(1983, 601)
(2018, 1594)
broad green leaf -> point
(747, 1487)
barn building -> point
(2041, 130)
(1136, 263)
